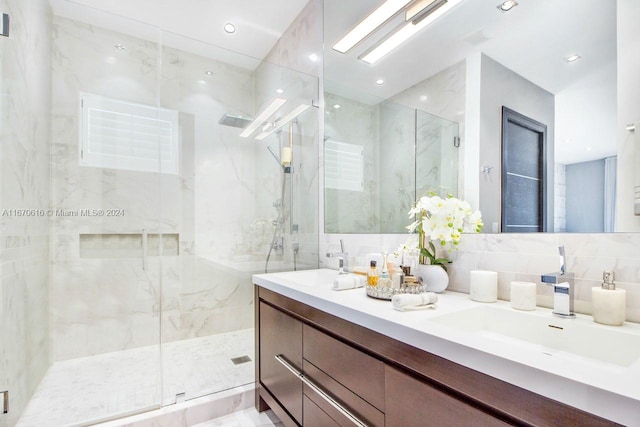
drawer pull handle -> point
(320, 392)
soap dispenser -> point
(608, 302)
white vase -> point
(434, 276)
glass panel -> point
(436, 155)
(243, 202)
(100, 334)
(404, 152)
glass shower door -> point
(106, 138)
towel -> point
(406, 302)
(348, 281)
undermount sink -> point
(581, 337)
(321, 277)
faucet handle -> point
(563, 260)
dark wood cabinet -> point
(378, 380)
(281, 335)
(414, 403)
(314, 416)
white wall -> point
(502, 87)
(628, 110)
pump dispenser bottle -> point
(608, 302)
(372, 275)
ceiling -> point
(532, 40)
(259, 24)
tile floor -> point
(246, 418)
(86, 390)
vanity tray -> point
(387, 292)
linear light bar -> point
(382, 14)
(405, 32)
(262, 117)
(416, 7)
(283, 121)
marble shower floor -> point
(85, 390)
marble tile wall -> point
(525, 257)
(24, 178)
(220, 205)
(100, 304)
(395, 177)
(299, 54)
(354, 123)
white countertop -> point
(609, 390)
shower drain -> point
(240, 359)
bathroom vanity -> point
(340, 358)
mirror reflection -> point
(463, 66)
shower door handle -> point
(145, 248)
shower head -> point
(235, 121)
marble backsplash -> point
(524, 257)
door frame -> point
(511, 116)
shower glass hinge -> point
(4, 401)
(456, 141)
(315, 103)
(4, 29)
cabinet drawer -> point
(314, 416)
(355, 405)
(355, 370)
(281, 334)
(411, 402)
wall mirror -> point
(553, 62)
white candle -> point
(523, 295)
(483, 285)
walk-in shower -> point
(129, 287)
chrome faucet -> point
(563, 288)
(343, 258)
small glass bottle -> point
(372, 275)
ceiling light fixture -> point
(262, 117)
(119, 46)
(507, 5)
(375, 19)
(337, 106)
(572, 58)
(379, 82)
(284, 120)
(280, 91)
(419, 10)
(407, 31)
(208, 72)
(314, 58)
(229, 28)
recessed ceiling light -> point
(281, 91)
(423, 98)
(119, 46)
(588, 148)
(337, 106)
(507, 5)
(208, 72)
(379, 82)
(229, 28)
(313, 57)
(572, 58)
